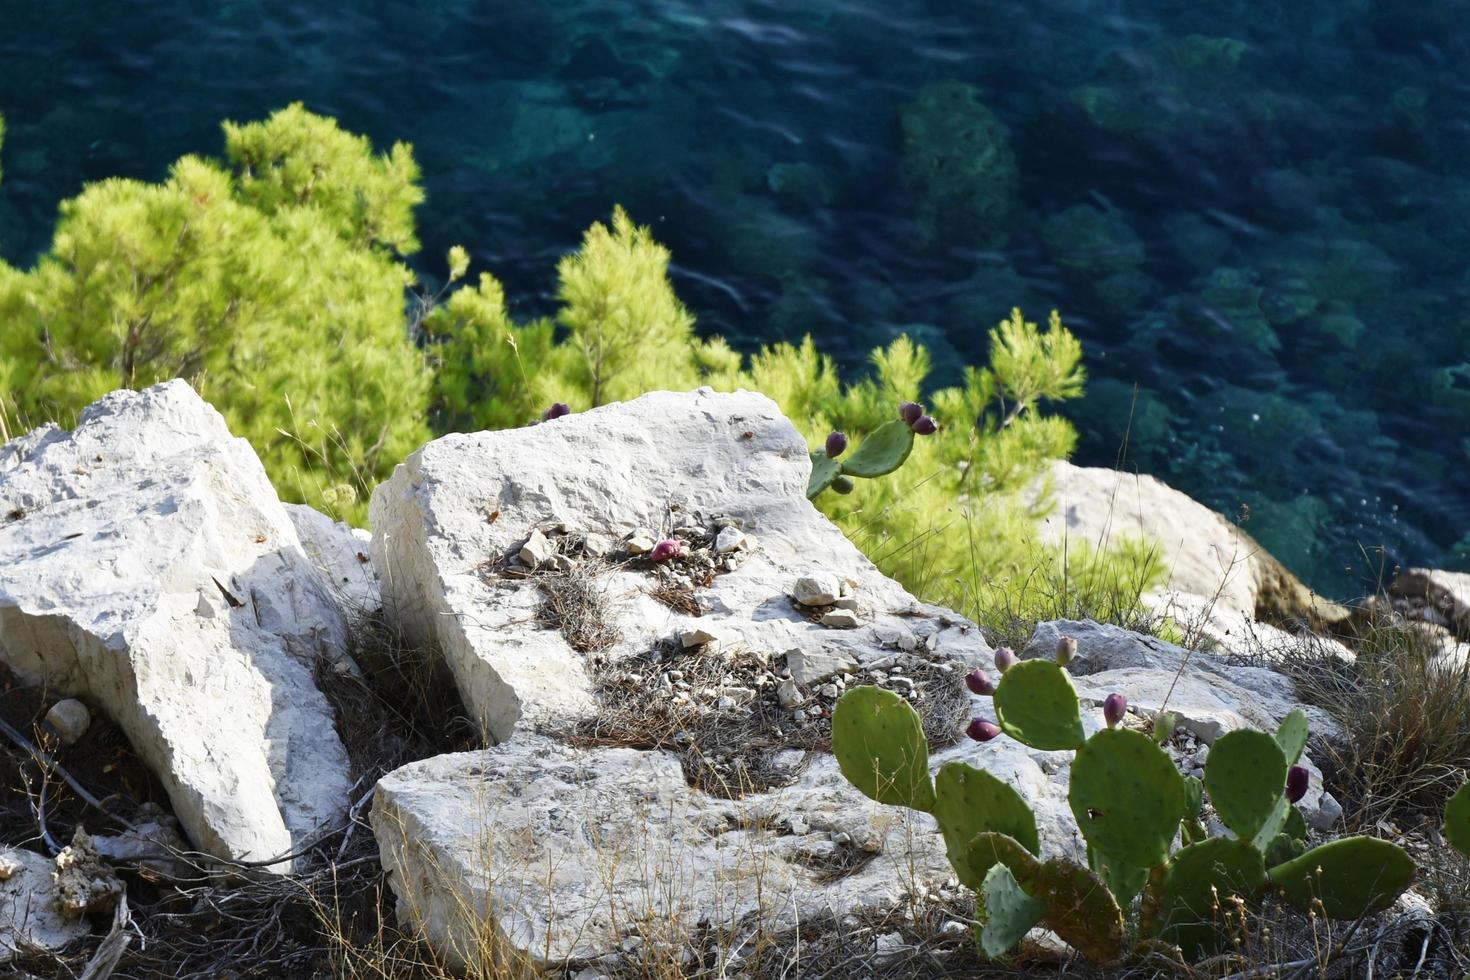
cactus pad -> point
(1036, 705)
(1292, 735)
(1283, 848)
(1246, 778)
(1009, 912)
(825, 469)
(879, 744)
(1127, 796)
(968, 801)
(1296, 824)
(1123, 880)
(1194, 797)
(1457, 820)
(1193, 891)
(989, 849)
(882, 452)
(1080, 909)
(1350, 877)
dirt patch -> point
(722, 711)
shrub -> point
(1405, 733)
(270, 281)
(274, 281)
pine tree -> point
(270, 281)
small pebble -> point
(817, 589)
(536, 551)
(841, 619)
(70, 719)
(729, 539)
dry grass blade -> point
(575, 603)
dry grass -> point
(733, 753)
(575, 603)
(1404, 710)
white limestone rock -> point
(810, 667)
(664, 460)
(600, 835)
(1201, 552)
(31, 916)
(147, 567)
(339, 553)
(817, 589)
(69, 719)
(571, 846)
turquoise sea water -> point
(1256, 212)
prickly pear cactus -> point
(882, 452)
(1190, 897)
(825, 469)
(1457, 820)
(1127, 796)
(1292, 735)
(969, 801)
(1349, 877)
(880, 746)
(1246, 778)
(1283, 848)
(1081, 910)
(1079, 907)
(1194, 797)
(1123, 880)
(1009, 912)
(1036, 704)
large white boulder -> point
(148, 568)
(464, 503)
(1211, 567)
(553, 853)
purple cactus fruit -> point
(924, 425)
(836, 444)
(1066, 650)
(910, 412)
(556, 411)
(980, 683)
(1005, 659)
(1115, 706)
(1297, 779)
(664, 550)
(981, 730)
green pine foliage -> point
(957, 524)
(274, 281)
(269, 281)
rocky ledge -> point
(643, 614)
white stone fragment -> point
(843, 619)
(729, 539)
(816, 589)
(811, 666)
(70, 719)
(30, 913)
(536, 551)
